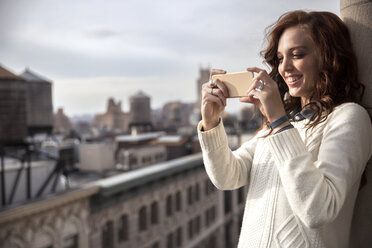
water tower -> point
(140, 113)
(39, 103)
(13, 115)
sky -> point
(96, 49)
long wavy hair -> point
(337, 81)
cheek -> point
(280, 70)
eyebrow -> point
(294, 48)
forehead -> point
(295, 37)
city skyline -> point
(95, 50)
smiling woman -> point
(325, 36)
(303, 168)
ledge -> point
(131, 179)
(41, 205)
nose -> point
(287, 64)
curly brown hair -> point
(338, 78)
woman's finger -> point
(220, 85)
(216, 72)
(214, 100)
(219, 93)
(213, 94)
(255, 69)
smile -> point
(293, 79)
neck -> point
(304, 101)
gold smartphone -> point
(237, 82)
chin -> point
(293, 93)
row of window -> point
(154, 158)
(175, 239)
(193, 192)
(173, 204)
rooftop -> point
(5, 74)
(31, 76)
(139, 137)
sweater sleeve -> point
(316, 188)
(226, 169)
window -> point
(228, 202)
(108, 235)
(169, 207)
(190, 228)
(197, 224)
(123, 228)
(178, 201)
(179, 237)
(228, 234)
(206, 187)
(142, 220)
(240, 195)
(71, 241)
(155, 245)
(206, 214)
(213, 214)
(209, 187)
(132, 160)
(189, 195)
(154, 213)
(210, 216)
(170, 240)
(211, 242)
(197, 192)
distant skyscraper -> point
(62, 123)
(203, 78)
(175, 115)
(113, 119)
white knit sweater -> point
(301, 186)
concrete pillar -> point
(357, 14)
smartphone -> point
(237, 82)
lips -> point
(292, 80)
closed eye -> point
(298, 55)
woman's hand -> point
(268, 98)
(213, 101)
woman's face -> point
(298, 63)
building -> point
(62, 124)
(134, 158)
(114, 119)
(176, 145)
(174, 115)
(171, 204)
(135, 151)
(97, 157)
(203, 78)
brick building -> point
(171, 204)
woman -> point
(303, 168)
